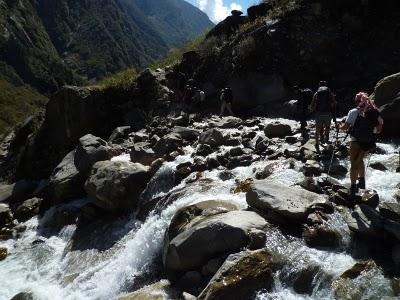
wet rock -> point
(227, 122)
(211, 137)
(6, 215)
(139, 136)
(390, 210)
(365, 221)
(120, 134)
(28, 209)
(267, 171)
(185, 133)
(310, 184)
(278, 130)
(191, 282)
(321, 236)
(167, 144)
(236, 151)
(239, 161)
(66, 182)
(312, 168)
(200, 164)
(156, 291)
(204, 150)
(24, 296)
(358, 268)
(230, 140)
(281, 202)
(370, 198)
(16, 192)
(241, 275)
(182, 120)
(117, 185)
(212, 266)
(336, 170)
(257, 239)
(262, 145)
(142, 155)
(3, 253)
(90, 150)
(378, 166)
(397, 195)
(203, 231)
(6, 234)
(303, 280)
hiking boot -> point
(361, 183)
(353, 190)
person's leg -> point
(354, 153)
(318, 129)
(327, 129)
(223, 104)
(229, 107)
(361, 170)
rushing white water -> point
(42, 265)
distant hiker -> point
(363, 123)
(198, 98)
(324, 106)
(226, 98)
(304, 98)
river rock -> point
(365, 221)
(16, 192)
(117, 185)
(227, 122)
(378, 166)
(312, 168)
(3, 253)
(212, 137)
(281, 202)
(120, 134)
(6, 215)
(390, 210)
(185, 133)
(321, 236)
(28, 209)
(142, 155)
(208, 231)
(278, 130)
(24, 296)
(167, 144)
(66, 182)
(156, 291)
(90, 150)
(241, 275)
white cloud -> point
(216, 9)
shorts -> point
(323, 119)
(366, 146)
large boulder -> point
(16, 192)
(27, 209)
(227, 122)
(387, 96)
(66, 182)
(90, 150)
(186, 133)
(117, 185)
(241, 275)
(283, 203)
(277, 129)
(167, 144)
(142, 154)
(157, 291)
(212, 137)
(210, 231)
(259, 10)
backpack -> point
(323, 100)
(306, 96)
(363, 129)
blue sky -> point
(217, 10)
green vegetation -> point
(17, 103)
(122, 79)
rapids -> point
(40, 261)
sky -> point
(217, 10)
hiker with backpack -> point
(226, 98)
(324, 106)
(304, 98)
(363, 124)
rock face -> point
(282, 202)
(241, 275)
(116, 186)
(209, 232)
(387, 96)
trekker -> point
(304, 98)
(363, 123)
(324, 106)
(226, 98)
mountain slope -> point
(48, 43)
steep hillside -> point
(46, 43)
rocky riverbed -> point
(203, 207)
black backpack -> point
(323, 104)
(363, 129)
(306, 96)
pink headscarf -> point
(363, 102)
